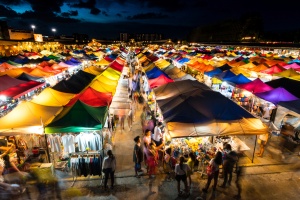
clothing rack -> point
(82, 155)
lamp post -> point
(53, 30)
(33, 27)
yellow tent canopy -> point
(111, 73)
(162, 63)
(28, 117)
(51, 97)
(100, 86)
(249, 126)
(16, 72)
(93, 70)
(102, 62)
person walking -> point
(109, 167)
(181, 170)
(190, 162)
(137, 155)
(262, 140)
(228, 165)
(152, 159)
(214, 165)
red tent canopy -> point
(8, 82)
(93, 98)
(255, 86)
(273, 70)
(21, 89)
(116, 66)
(161, 80)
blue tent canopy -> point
(225, 67)
(199, 106)
(183, 60)
(238, 79)
(155, 72)
(225, 74)
(213, 72)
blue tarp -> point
(69, 62)
(183, 60)
(294, 61)
(213, 72)
(238, 79)
(75, 61)
(155, 72)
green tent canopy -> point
(78, 118)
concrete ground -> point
(264, 178)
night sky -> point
(173, 18)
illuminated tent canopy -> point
(290, 85)
(28, 117)
(51, 97)
(198, 112)
(276, 95)
(255, 86)
(78, 117)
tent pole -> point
(254, 148)
(47, 149)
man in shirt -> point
(158, 135)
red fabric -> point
(92, 97)
(8, 82)
(255, 86)
(116, 66)
(21, 89)
(161, 80)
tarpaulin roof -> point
(161, 80)
(291, 105)
(29, 117)
(225, 74)
(155, 72)
(27, 77)
(249, 126)
(8, 82)
(51, 97)
(41, 73)
(238, 79)
(290, 85)
(15, 72)
(174, 73)
(213, 72)
(111, 73)
(191, 108)
(225, 67)
(162, 63)
(92, 97)
(75, 84)
(255, 86)
(93, 70)
(116, 66)
(178, 88)
(273, 70)
(77, 118)
(104, 84)
(21, 89)
(287, 73)
(293, 66)
(276, 95)
(185, 77)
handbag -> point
(259, 141)
(209, 170)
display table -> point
(235, 143)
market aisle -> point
(123, 148)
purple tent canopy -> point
(276, 95)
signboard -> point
(38, 37)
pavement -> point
(263, 178)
